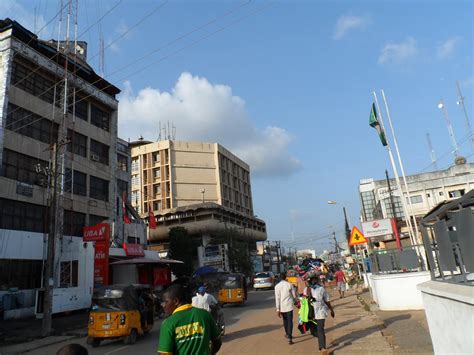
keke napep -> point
(120, 311)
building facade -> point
(36, 111)
(171, 174)
(427, 190)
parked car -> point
(264, 280)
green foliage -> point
(238, 254)
(182, 247)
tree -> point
(182, 247)
(237, 252)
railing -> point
(394, 261)
(448, 236)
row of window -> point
(31, 125)
(99, 152)
(18, 215)
(38, 85)
(21, 167)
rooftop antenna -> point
(101, 56)
(460, 102)
(168, 132)
(442, 107)
(432, 152)
(159, 131)
(173, 131)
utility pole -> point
(277, 243)
(336, 246)
(49, 266)
(392, 202)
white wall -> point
(449, 310)
(398, 291)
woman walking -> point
(319, 298)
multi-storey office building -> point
(426, 191)
(32, 97)
(171, 174)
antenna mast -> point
(442, 107)
(432, 152)
(460, 102)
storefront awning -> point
(135, 261)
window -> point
(76, 184)
(77, 144)
(25, 78)
(135, 197)
(99, 152)
(94, 219)
(441, 193)
(416, 199)
(133, 240)
(157, 173)
(156, 205)
(398, 207)
(98, 188)
(29, 124)
(22, 167)
(122, 187)
(456, 193)
(135, 180)
(368, 204)
(69, 274)
(156, 157)
(24, 274)
(99, 117)
(135, 165)
(80, 106)
(157, 189)
(23, 216)
(122, 162)
(74, 223)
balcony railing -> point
(448, 236)
(393, 261)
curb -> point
(37, 344)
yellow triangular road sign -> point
(357, 237)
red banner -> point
(161, 276)
(101, 264)
(133, 249)
(98, 233)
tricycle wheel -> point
(131, 338)
(95, 342)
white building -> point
(426, 191)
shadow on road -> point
(250, 331)
(343, 324)
(392, 320)
(345, 340)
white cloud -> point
(397, 53)
(446, 49)
(24, 16)
(207, 112)
(348, 23)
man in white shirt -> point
(285, 298)
(203, 299)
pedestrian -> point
(187, 330)
(72, 349)
(319, 298)
(285, 299)
(340, 282)
(203, 299)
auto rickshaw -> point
(233, 289)
(120, 311)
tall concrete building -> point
(32, 97)
(171, 174)
(426, 191)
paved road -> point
(149, 343)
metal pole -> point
(468, 123)
(397, 178)
(46, 325)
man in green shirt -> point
(188, 330)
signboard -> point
(377, 228)
(133, 249)
(161, 276)
(101, 264)
(99, 232)
(356, 237)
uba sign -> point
(98, 233)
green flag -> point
(374, 122)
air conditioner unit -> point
(94, 157)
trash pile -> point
(307, 268)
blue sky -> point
(286, 85)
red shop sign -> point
(99, 232)
(161, 276)
(133, 249)
(101, 264)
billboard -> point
(377, 228)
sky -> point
(286, 86)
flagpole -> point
(397, 178)
(401, 165)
